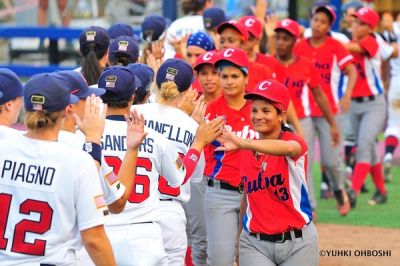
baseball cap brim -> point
(227, 24)
(364, 20)
(92, 90)
(252, 95)
(291, 32)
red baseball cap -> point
(209, 57)
(289, 25)
(273, 91)
(253, 25)
(327, 9)
(368, 16)
(233, 55)
(233, 24)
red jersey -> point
(276, 187)
(299, 77)
(368, 67)
(221, 165)
(329, 60)
(270, 62)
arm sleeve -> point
(89, 202)
(112, 188)
(369, 45)
(172, 167)
(344, 56)
(293, 137)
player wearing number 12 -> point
(49, 192)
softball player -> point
(11, 91)
(65, 195)
(223, 193)
(368, 103)
(234, 35)
(135, 233)
(275, 209)
(197, 44)
(330, 57)
(255, 30)
(301, 78)
(208, 75)
(123, 50)
(93, 46)
(173, 80)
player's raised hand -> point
(208, 131)
(135, 129)
(93, 121)
(199, 109)
(152, 61)
(186, 103)
(229, 141)
(157, 49)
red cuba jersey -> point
(299, 77)
(329, 60)
(276, 190)
(221, 165)
(368, 67)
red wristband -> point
(190, 162)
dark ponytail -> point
(91, 69)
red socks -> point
(360, 173)
(377, 177)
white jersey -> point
(112, 188)
(180, 130)
(8, 132)
(156, 157)
(178, 29)
(48, 194)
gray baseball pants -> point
(296, 252)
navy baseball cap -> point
(10, 86)
(124, 45)
(93, 38)
(120, 80)
(77, 84)
(352, 4)
(176, 70)
(145, 74)
(120, 29)
(153, 28)
(46, 92)
(213, 17)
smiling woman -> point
(275, 208)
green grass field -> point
(385, 215)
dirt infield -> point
(348, 245)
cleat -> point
(378, 198)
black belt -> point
(165, 199)
(280, 238)
(364, 99)
(224, 185)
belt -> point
(165, 199)
(280, 238)
(364, 99)
(224, 185)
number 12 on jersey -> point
(41, 226)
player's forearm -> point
(98, 246)
(273, 147)
(243, 207)
(126, 174)
(351, 73)
(324, 105)
(354, 48)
